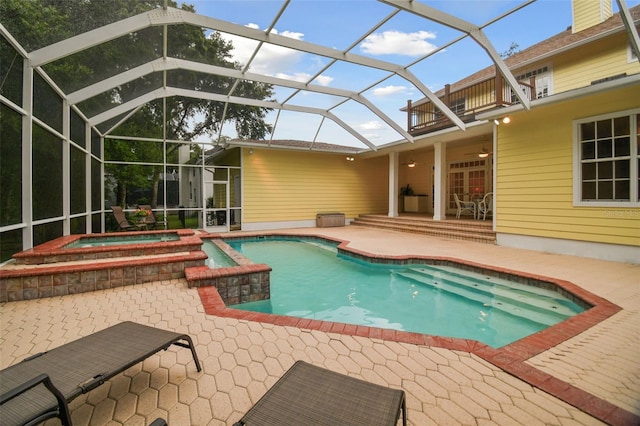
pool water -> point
(118, 241)
(311, 280)
(216, 258)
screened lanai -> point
(147, 102)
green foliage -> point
(36, 23)
(40, 23)
(513, 49)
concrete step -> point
(468, 230)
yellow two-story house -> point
(564, 174)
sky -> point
(405, 40)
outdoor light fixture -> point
(411, 164)
(350, 158)
(484, 153)
(506, 120)
(251, 151)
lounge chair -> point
(125, 224)
(150, 220)
(311, 395)
(41, 386)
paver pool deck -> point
(598, 370)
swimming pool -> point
(310, 279)
(216, 258)
(92, 241)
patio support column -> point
(27, 155)
(439, 180)
(66, 165)
(393, 184)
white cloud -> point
(389, 90)
(270, 57)
(399, 43)
(371, 125)
(323, 80)
(371, 136)
(303, 77)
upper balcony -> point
(465, 102)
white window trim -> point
(577, 175)
(631, 57)
(548, 72)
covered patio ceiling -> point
(340, 100)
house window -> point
(608, 160)
(542, 80)
(457, 107)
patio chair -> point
(463, 206)
(311, 395)
(41, 386)
(124, 224)
(486, 205)
(150, 220)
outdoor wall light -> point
(350, 158)
(251, 151)
(506, 120)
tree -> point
(38, 23)
(512, 50)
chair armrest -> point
(44, 379)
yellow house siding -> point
(293, 185)
(602, 59)
(535, 175)
(581, 66)
(587, 13)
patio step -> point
(459, 229)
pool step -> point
(512, 299)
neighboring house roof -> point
(548, 47)
(290, 143)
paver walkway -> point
(242, 359)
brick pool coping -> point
(52, 269)
(510, 358)
(56, 251)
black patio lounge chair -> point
(125, 224)
(40, 387)
(311, 395)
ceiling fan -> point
(483, 153)
(411, 163)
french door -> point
(468, 179)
